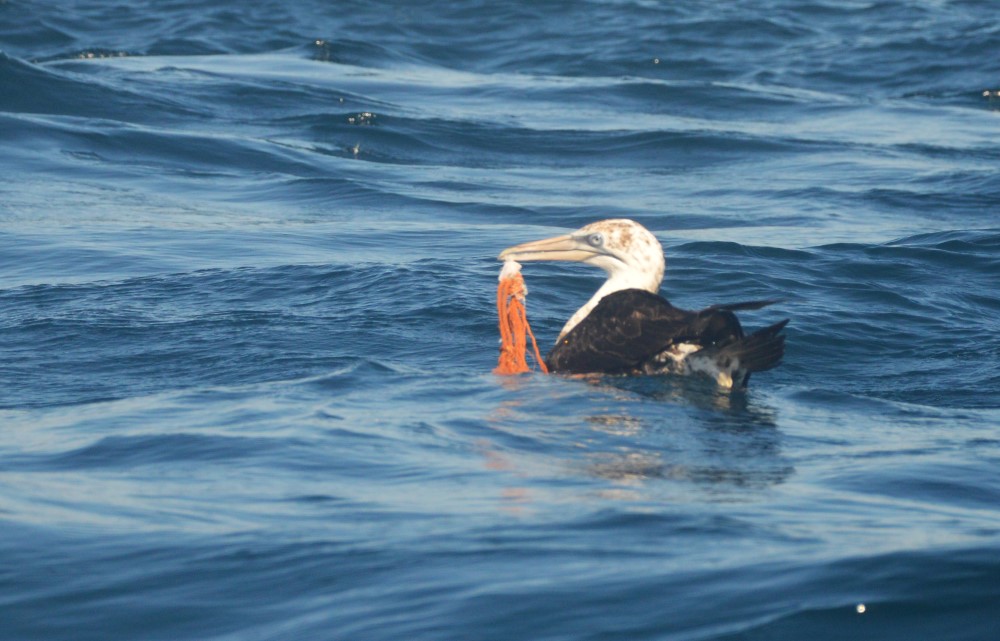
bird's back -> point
(636, 332)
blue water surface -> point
(247, 322)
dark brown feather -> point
(627, 330)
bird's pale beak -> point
(558, 248)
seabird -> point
(627, 328)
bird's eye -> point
(595, 240)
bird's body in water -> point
(628, 328)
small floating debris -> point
(322, 50)
(860, 608)
(363, 118)
(101, 53)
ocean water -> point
(247, 321)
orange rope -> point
(514, 328)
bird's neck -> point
(615, 283)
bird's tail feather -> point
(759, 351)
(731, 363)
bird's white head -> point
(627, 251)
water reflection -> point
(640, 439)
(694, 432)
(691, 392)
(617, 424)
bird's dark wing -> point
(629, 326)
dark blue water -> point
(247, 269)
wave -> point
(323, 584)
(44, 90)
(225, 327)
